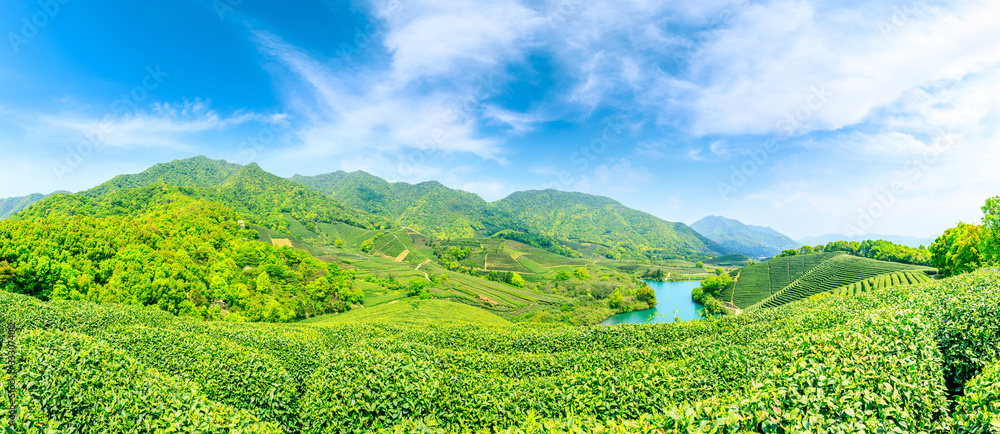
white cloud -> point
(766, 65)
(433, 38)
(351, 113)
(170, 126)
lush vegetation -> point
(917, 358)
(880, 250)
(710, 291)
(883, 281)
(622, 232)
(967, 247)
(12, 205)
(429, 208)
(753, 241)
(261, 198)
(159, 246)
(790, 278)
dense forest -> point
(160, 246)
(259, 196)
(622, 232)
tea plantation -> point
(917, 358)
(784, 280)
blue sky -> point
(808, 116)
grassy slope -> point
(415, 312)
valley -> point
(198, 274)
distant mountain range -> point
(597, 219)
(753, 241)
(12, 205)
(898, 239)
(363, 200)
(434, 209)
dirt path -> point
(486, 262)
(402, 256)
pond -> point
(670, 297)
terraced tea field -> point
(784, 280)
(883, 281)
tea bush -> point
(894, 359)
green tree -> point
(699, 264)
(418, 288)
(582, 273)
(263, 283)
(517, 280)
(367, 245)
(958, 250)
(616, 300)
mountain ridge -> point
(754, 241)
(12, 205)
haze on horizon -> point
(788, 114)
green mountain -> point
(436, 210)
(623, 232)
(267, 200)
(192, 172)
(11, 205)
(753, 241)
(429, 207)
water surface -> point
(670, 297)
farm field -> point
(883, 281)
(908, 348)
(783, 280)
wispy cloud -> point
(347, 113)
(165, 125)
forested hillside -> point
(163, 246)
(12, 205)
(259, 196)
(625, 232)
(753, 241)
(429, 207)
(192, 172)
